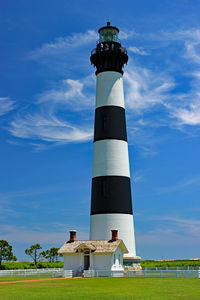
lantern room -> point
(108, 33)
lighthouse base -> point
(132, 263)
(102, 224)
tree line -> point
(6, 253)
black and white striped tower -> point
(111, 204)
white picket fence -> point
(102, 273)
(32, 273)
(145, 274)
(60, 272)
(163, 273)
(171, 268)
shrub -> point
(31, 265)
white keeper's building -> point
(93, 258)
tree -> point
(46, 254)
(51, 254)
(54, 254)
(6, 251)
(33, 251)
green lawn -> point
(103, 288)
(4, 279)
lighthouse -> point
(111, 201)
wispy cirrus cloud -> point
(126, 34)
(137, 50)
(6, 105)
(49, 128)
(191, 40)
(76, 94)
(67, 43)
(149, 89)
(195, 181)
(171, 231)
(45, 127)
(66, 55)
(145, 89)
(186, 109)
(188, 226)
(188, 116)
(21, 234)
(60, 114)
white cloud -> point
(66, 55)
(186, 107)
(189, 116)
(67, 43)
(19, 234)
(138, 179)
(126, 34)
(180, 185)
(6, 105)
(7, 211)
(48, 128)
(191, 40)
(137, 50)
(145, 89)
(185, 226)
(73, 94)
(171, 231)
(45, 125)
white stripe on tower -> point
(110, 157)
(102, 224)
(109, 89)
(111, 204)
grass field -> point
(103, 288)
(170, 263)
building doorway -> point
(86, 261)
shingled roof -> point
(99, 246)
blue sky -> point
(47, 97)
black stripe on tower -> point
(110, 123)
(111, 194)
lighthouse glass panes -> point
(108, 35)
(111, 204)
